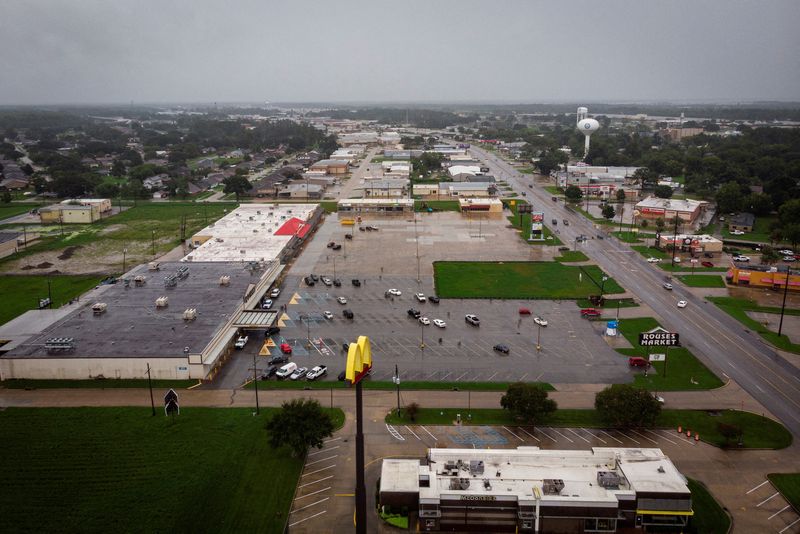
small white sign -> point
(658, 357)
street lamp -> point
(602, 286)
(396, 381)
(539, 337)
(153, 239)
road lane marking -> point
(307, 518)
(412, 432)
(309, 505)
(313, 493)
(768, 498)
(753, 489)
(779, 511)
(323, 460)
(315, 482)
(510, 432)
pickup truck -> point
(241, 342)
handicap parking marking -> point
(394, 433)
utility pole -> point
(539, 338)
(50, 294)
(396, 379)
(675, 239)
(150, 385)
(153, 240)
(416, 239)
(124, 254)
(783, 305)
(255, 380)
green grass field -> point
(759, 432)
(631, 237)
(109, 383)
(410, 385)
(437, 205)
(683, 370)
(702, 280)
(119, 469)
(789, 486)
(709, 517)
(609, 304)
(519, 280)
(522, 222)
(569, 256)
(22, 293)
(738, 308)
(12, 210)
(760, 233)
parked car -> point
(540, 321)
(327, 281)
(394, 292)
(337, 246)
(309, 281)
(676, 259)
(524, 311)
(425, 321)
(270, 372)
(682, 303)
(278, 359)
(737, 232)
(341, 300)
(317, 372)
(420, 297)
(554, 222)
(590, 312)
(637, 361)
(788, 259)
(275, 293)
(286, 370)
(472, 319)
(433, 299)
(566, 222)
(348, 236)
(356, 282)
(653, 260)
(241, 342)
(328, 315)
(439, 323)
(314, 277)
(372, 228)
(563, 249)
(706, 264)
(337, 282)
(786, 252)
(554, 199)
(271, 331)
(501, 348)
(331, 244)
(415, 313)
(348, 314)
(286, 348)
(266, 304)
(299, 373)
(739, 257)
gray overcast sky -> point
(86, 51)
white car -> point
(667, 286)
(439, 323)
(341, 300)
(540, 321)
(737, 232)
(786, 252)
(653, 260)
(327, 281)
(676, 259)
(299, 373)
(420, 297)
(328, 315)
(741, 258)
(658, 398)
(267, 304)
(317, 372)
(395, 292)
(682, 303)
(275, 293)
(425, 321)
(241, 342)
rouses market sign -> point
(659, 339)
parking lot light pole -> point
(124, 253)
(602, 286)
(255, 380)
(783, 305)
(539, 337)
(396, 380)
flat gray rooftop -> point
(133, 327)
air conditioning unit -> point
(162, 302)
(224, 280)
(190, 314)
(99, 308)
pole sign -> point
(171, 406)
(537, 226)
(359, 360)
(659, 339)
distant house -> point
(205, 163)
(742, 222)
(308, 158)
(301, 190)
(155, 182)
(331, 166)
(269, 185)
(13, 184)
(213, 179)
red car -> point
(707, 264)
(286, 348)
(524, 311)
(636, 361)
(590, 312)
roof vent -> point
(608, 479)
(552, 486)
(162, 302)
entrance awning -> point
(255, 319)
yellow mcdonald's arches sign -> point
(359, 360)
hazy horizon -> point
(357, 52)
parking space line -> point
(462, 376)
(643, 436)
(626, 436)
(313, 493)
(594, 435)
(510, 432)
(448, 374)
(309, 505)
(412, 432)
(548, 435)
(790, 525)
(584, 439)
(562, 435)
(663, 436)
(426, 430)
(753, 489)
(315, 482)
(610, 436)
(494, 375)
(531, 435)
(332, 439)
(522, 377)
(779, 511)
(318, 470)
(307, 518)
(768, 498)
(323, 460)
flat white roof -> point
(378, 201)
(670, 204)
(702, 238)
(400, 475)
(248, 233)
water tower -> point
(586, 126)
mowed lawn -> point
(789, 486)
(702, 280)
(22, 293)
(121, 470)
(519, 280)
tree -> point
(663, 191)
(551, 160)
(609, 211)
(300, 424)
(660, 225)
(624, 406)
(729, 198)
(769, 255)
(791, 233)
(646, 177)
(573, 193)
(528, 402)
(106, 190)
(620, 195)
(758, 203)
(7, 197)
(237, 184)
(789, 212)
(118, 168)
(729, 432)
(412, 410)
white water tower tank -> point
(587, 127)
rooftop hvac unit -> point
(258, 212)
(153, 266)
(99, 308)
(459, 483)
(224, 280)
(190, 314)
(255, 231)
(243, 251)
(162, 302)
(552, 486)
(59, 343)
(476, 467)
(139, 280)
(218, 239)
(250, 218)
(608, 479)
